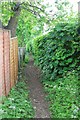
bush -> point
(58, 51)
(58, 55)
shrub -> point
(57, 54)
(58, 51)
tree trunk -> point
(12, 24)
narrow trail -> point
(37, 94)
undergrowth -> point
(63, 95)
(58, 56)
(17, 103)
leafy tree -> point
(13, 9)
(28, 27)
(64, 13)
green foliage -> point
(17, 104)
(28, 28)
(26, 58)
(29, 46)
(31, 19)
(6, 12)
(63, 12)
(63, 95)
(57, 54)
(58, 51)
(24, 28)
(64, 9)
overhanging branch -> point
(36, 7)
(32, 11)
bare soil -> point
(37, 94)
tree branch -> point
(32, 11)
(36, 7)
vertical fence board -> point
(12, 63)
(2, 87)
(7, 59)
(14, 60)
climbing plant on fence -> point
(58, 51)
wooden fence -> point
(8, 62)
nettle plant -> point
(58, 51)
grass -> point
(17, 103)
(63, 96)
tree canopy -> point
(34, 14)
(10, 12)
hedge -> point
(58, 51)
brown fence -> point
(8, 62)
(13, 60)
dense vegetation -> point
(26, 30)
(57, 54)
(63, 95)
(58, 51)
(17, 104)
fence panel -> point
(14, 60)
(2, 83)
(6, 39)
(8, 62)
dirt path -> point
(37, 94)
